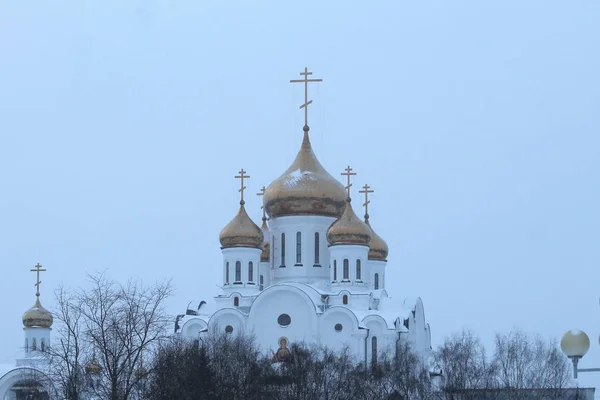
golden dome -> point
(93, 368)
(348, 229)
(266, 247)
(241, 231)
(305, 188)
(37, 316)
(378, 248)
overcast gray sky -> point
(122, 124)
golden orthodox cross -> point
(306, 101)
(366, 191)
(262, 193)
(38, 268)
(241, 177)
(348, 174)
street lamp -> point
(575, 344)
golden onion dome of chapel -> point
(348, 229)
(378, 248)
(306, 188)
(37, 316)
(241, 231)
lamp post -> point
(575, 344)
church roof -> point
(305, 188)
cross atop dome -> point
(348, 174)
(366, 190)
(241, 177)
(306, 101)
(38, 268)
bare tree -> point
(67, 353)
(118, 324)
(465, 366)
(529, 362)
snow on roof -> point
(311, 291)
(389, 317)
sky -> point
(122, 124)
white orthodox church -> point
(315, 272)
(27, 378)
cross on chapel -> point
(348, 174)
(366, 191)
(242, 175)
(37, 269)
(306, 101)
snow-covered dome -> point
(306, 188)
(378, 248)
(241, 231)
(37, 316)
(348, 229)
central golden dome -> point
(305, 188)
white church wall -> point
(192, 328)
(267, 319)
(227, 320)
(355, 257)
(376, 274)
(241, 280)
(313, 258)
(339, 329)
(36, 339)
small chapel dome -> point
(37, 316)
(348, 229)
(306, 188)
(93, 368)
(266, 247)
(241, 231)
(378, 248)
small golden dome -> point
(306, 188)
(378, 248)
(241, 231)
(348, 229)
(37, 316)
(93, 368)
(266, 247)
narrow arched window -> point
(272, 250)
(227, 273)
(33, 345)
(358, 270)
(236, 301)
(376, 283)
(316, 248)
(250, 272)
(346, 270)
(262, 282)
(374, 350)
(298, 248)
(334, 270)
(43, 344)
(26, 345)
(238, 271)
(345, 299)
(283, 249)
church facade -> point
(314, 272)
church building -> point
(27, 378)
(314, 272)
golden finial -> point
(38, 268)
(241, 177)
(306, 101)
(262, 193)
(366, 191)
(348, 174)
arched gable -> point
(18, 374)
(192, 327)
(225, 317)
